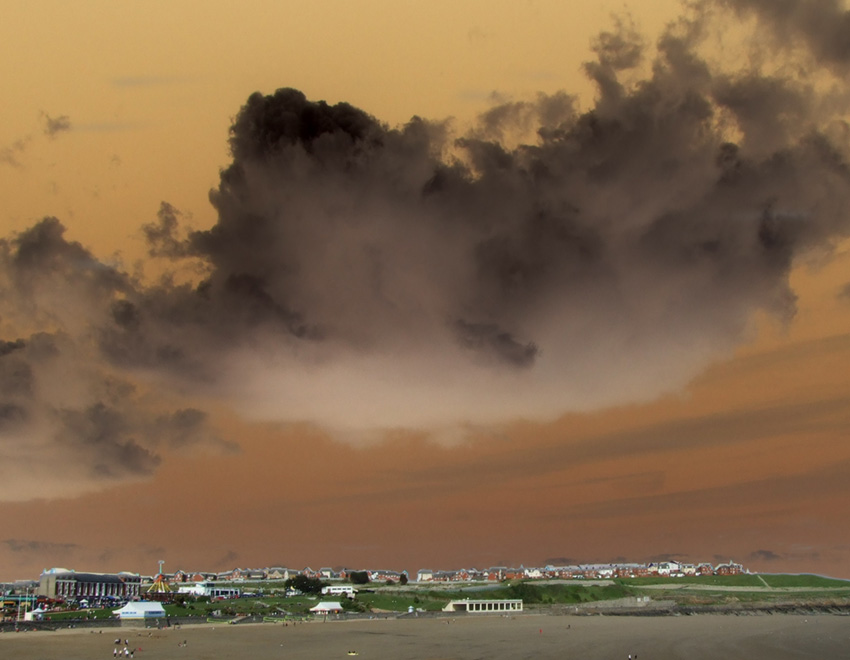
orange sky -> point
(741, 454)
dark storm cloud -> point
(627, 228)
(489, 338)
(102, 432)
(822, 26)
(64, 412)
(161, 236)
(11, 415)
(15, 385)
(102, 427)
(42, 253)
(188, 428)
(7, 347)
(547, 258)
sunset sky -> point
(406, 285)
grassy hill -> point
(807, 581)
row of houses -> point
(68, 584)
(581, 571)
(281, 573)
(493, 574)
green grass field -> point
(812, 581)
(759, 589)
(744, 580)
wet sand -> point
(777, 637)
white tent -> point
(35, 615)
(327, 606)
(141, 609)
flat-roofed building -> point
(211, 589)
(141, 609)
(484, 606)
(71, 585)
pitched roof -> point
(327, 606)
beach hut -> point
(140, 609)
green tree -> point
(305, 584)
(359, 577)
(530, 593)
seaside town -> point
(593, 611)
(61, 589)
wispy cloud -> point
(148, 81)
(53, 126)
(38, 547)
(765, 555)
(228, 560)
(109, 126)
(11, 154)
(769, 496)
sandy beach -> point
(473, 638)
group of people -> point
(127, 652)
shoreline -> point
(496, 637)
(622, 608)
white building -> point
(670, 568)
(70, 585)
(210, 589)
(140, 609)
(484, 606)
(425, 575)
(336, 590)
